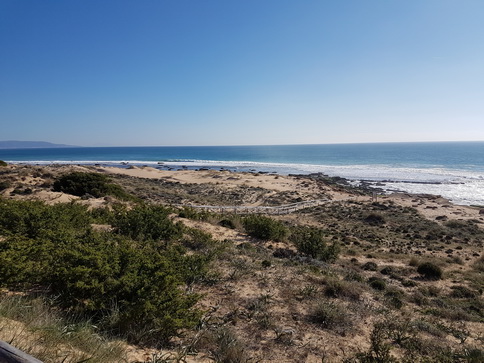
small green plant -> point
(223, 345)
(479, 264)
(377, 283)
(430, 271)
(266, 263)
(265, 228)
(354, 276)
(227, 223)
(374, 219)
(379, 351)
(3, 163)
(194, 214)
(370, 266)
(462, 292)
(330, 315)
(4, 185)
(311, 242)
(308, 291)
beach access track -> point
(272, 210)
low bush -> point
(311, 242)
(265, 228)
(479, 264)
(147, 222)
(370, 266)
(394, 297)
(462, 292)
(227, 223)
(330, 315)
(3, 163)
(430, 271)
(4, 185)
(342, 289)
(223, 345)
(374, 219)
(127, 282)
(377, 283)
(97, 185)
(194, 214)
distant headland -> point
(30, 145)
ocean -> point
(454, 170)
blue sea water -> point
(454, 170)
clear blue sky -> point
(234, 72)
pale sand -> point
(267, 181)
(429, 206)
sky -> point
(241, 72)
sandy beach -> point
(302, 187)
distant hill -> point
(29, 145)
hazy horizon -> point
(235, 145)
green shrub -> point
(370, 266)
(479, 264)
(265, 228)
(342, 289)
(227, 223)
(330, 315)
(223, 345)
(194, 214)
(377, 283)
(4, 185)
(97, 185)
(147, 222)
(197, 240)
(266, 263)
(129, 287)
(3, 163)
(374, 219)
(454, 224)
(430, 271)
(462, 292)
(311, 242)
(34, 219)
(380, 348)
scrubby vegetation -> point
(430, 271)
(3, 163)
(312, 242)
(340, 282)
(265, 228)
(128, 281)
(93, 184)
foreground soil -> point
(264, 301)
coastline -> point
(461, 187)
(308, 186)
(453, 170)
